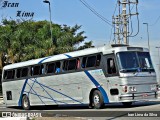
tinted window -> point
(51, 68)
(5, 75)
(84, 62)
(145, 60)
(98, 61)
(57, 67)
(10, 74)
(78, 63)
(24, 72)
(91, 61)
(111, 66)
(38, 70)
(18, 75)
(65, 65)
(72, 64)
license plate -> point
(144, 95)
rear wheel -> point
(25, 102)
(127, 104)
(97, 100)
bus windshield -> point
(135, 61)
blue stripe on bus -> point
(47, 92)
(36, 94)
(31, 88)
(45, 97)
(100, 88)
(68, 56)
(20, 99)
(44, 59)
(58, 92)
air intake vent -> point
(135, 48)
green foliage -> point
(25, 40)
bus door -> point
(111, 73)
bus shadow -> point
(135, 104)
(79, 107)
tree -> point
(25, 40)
(86, 45)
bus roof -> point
(55, 58)
(84, 52)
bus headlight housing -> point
(132, 89)
(124, 89)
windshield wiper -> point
(128, 70)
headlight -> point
(125, 89)
(132, 89)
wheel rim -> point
(25, 102)
(96, 99)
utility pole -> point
(158, 62)
(122, 20)
(124, 2)
(117, 32)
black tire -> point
(97, 100)
(127, 104)
(25, 102)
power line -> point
(95, 12)
(115, 9)
(113, 25)
(155, 21)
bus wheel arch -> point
(96, 99)
(25, 102)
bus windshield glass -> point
(134, 62)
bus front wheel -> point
(25, 102)
(97, 100)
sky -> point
(71, 12)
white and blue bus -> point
(94, 76)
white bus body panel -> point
(75, 88)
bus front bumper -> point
(138, 96)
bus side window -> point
(36, 70)
(83, 65)
(98, 61)
(91, 61)
(111, 66)
(24, 72)
(51, 68)
(78, 63)
(18, 75)
(57, 66)
(10, 74)
(32, 69)
(5, 75)
(42, 71)
(72, 64)
(65, 65)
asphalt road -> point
(139, 111)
